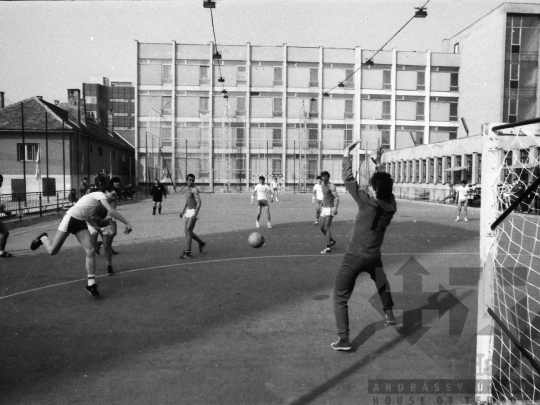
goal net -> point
(508, 340)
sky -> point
(47, 47)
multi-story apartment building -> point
(284, 110)
(111, 103)
(499, 80)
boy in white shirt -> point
(75, 222)
(317, 199)
(274, 186)
(462, 193)
(261, 190)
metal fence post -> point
(40, 206)
(57, 202)
(19, 209)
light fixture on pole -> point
(209, 4)
(420, 12)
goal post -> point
(508, 323)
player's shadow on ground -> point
(171, 303)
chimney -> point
(40, 98)
(56, 102)
(1, 99)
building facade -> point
(111, 103)
(499, 80)
(259, 110)
(49, 147)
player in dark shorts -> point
(4, 233)
(376, 209)
(190, 213)
(158, 192)
(329, 208)
(75, 222)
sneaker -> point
(341, 344)
(316, 222)
(390, 318)
(110, 271)
(114, 252)
(98, 247)
(37, 242)
(186, 255)
(326, 250)
(466, 220)
(92, 290)
(332, 243)
(201, 246)
(257, 224)
(269, 226)
(457, 219)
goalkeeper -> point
(376, 209)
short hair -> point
(463, 181)
(109, 188)
(319, 178)
(382, 183)
(262, 178)
(190, 176)
(1, 177)
(85, 178)
(325, 173)
(115, 179)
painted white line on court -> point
(218, 261)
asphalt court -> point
(236, 325)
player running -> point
(329, 208)
(462, 193)
(75, 222)
(261, 190)
(190, 213)
(363, 251)
(317, 199)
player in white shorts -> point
(260, 190)
(274, 184)
(75, 222)
(317, 199)
(329, 208)
(462, 198)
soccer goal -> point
(508, 339)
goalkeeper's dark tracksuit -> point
(363, 251)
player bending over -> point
(329, 208)
(363, 251)
(190, 213)
(75, 222)
(317, 199)
(261, 190)
(106, 234)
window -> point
(277, 139)
(312, 169)
(313, 108)
(416, 171)
(452, 135)
(457, 173)
(240, 167)
(387, 79)
(424, 170)
(203, 74)
(349, 108)
(469, 168)
(420, 105)
(514, 75)
(203, 104)
(386, 110)
(431, 170)
(48, 186)
(240, 105)
(516, 40)
(439, 170)
(456, 47)
(313, 77)
(385, 139)
(453, 111)
(278, 76)
(241, 75)
(454, 81)
(27, 152)
(166, 105)
(277, 107)
(166, 73)
(123, 158)
(313, 138)
(349, 78)
(512, 109)
(240, 138)
(348, 133)
(420, 80)
(100, 151)
(276, 166)
(479, 168)
(90, 100)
